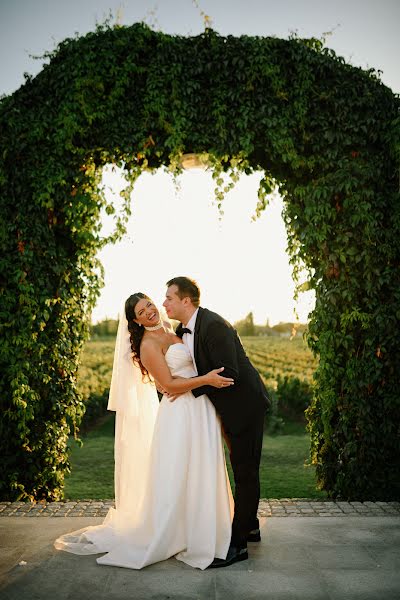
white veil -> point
(136, 404)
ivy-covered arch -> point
(325, 131)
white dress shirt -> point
(188, 338)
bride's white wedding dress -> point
(185, 508)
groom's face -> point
(175, 306)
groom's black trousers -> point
(245, 454)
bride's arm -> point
(153, 359)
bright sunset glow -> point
(240, 265)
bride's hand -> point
(217, 381)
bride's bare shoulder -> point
(150, 345)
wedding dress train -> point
(184, 506)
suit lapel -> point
(197, 334)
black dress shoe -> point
(254, 536)
(234, 555)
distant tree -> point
(264, 329)
(104, 328)
(246, 326)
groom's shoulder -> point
(212, 317)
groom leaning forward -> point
(214, 343)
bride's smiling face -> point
(146, 313)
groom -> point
(214, 343)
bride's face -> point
(146, 313)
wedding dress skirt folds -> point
(173, 496)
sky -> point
(240, 265)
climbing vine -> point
(323, 132)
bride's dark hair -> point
(136, 331)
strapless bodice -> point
(179, 361)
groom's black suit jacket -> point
(217, 344)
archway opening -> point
(176, 227)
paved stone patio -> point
(344, 557)
(285, 507)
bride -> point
(172, 491)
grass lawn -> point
(92, 465)
(282, 472)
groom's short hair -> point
(186, 287)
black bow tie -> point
(181, 330)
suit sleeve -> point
(221, 348)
